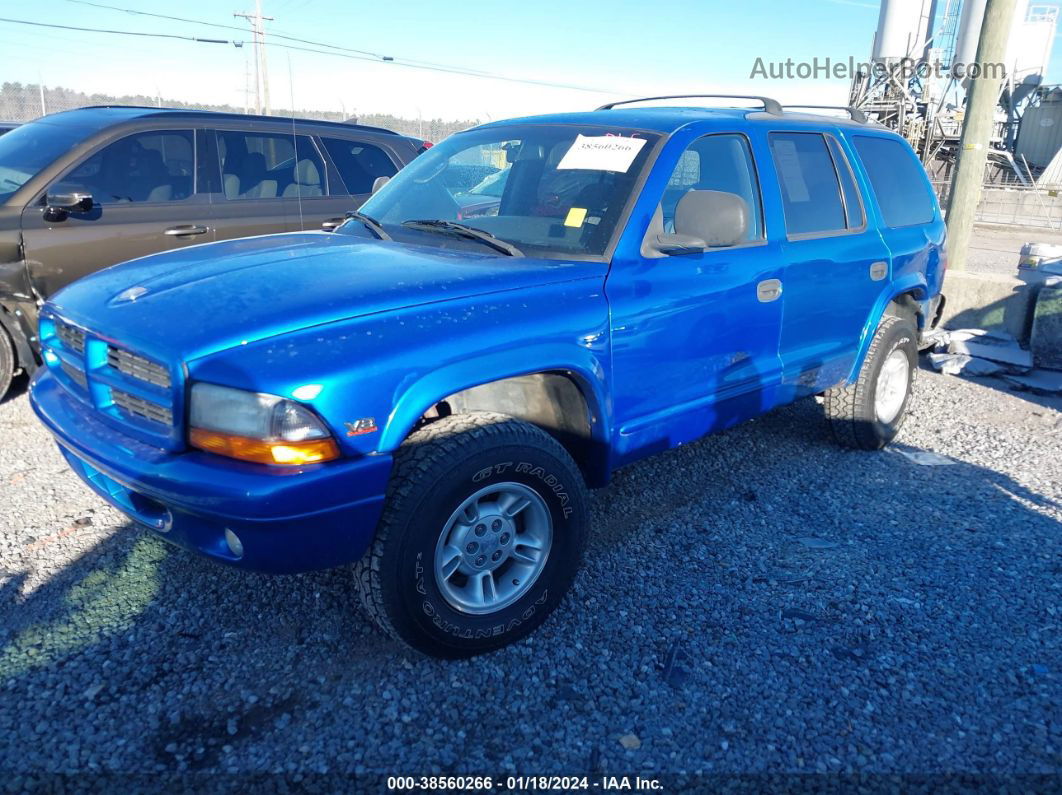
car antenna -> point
(295, 143)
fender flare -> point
(24, 357)
(413, 399)
(915, 284)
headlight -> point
(251, 426)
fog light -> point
(235, 545)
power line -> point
(410, 63)
(221, 25)
(120, 32)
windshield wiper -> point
(369, 223)
(469, 232)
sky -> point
(620, 48)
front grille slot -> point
(75, 375)
(131, 404)
(72, 338)
(138, 367)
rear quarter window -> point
(898, 181)
(811, 193)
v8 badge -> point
(361, 427)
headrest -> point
(557, 153)
(306, 172)
(254, 164)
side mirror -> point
(676, 245)
(717, 218)
(379, 182)
(59, 205)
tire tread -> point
(842, 403)
(423, 452)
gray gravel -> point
(758, 601)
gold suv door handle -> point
(769, 290)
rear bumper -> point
(316, 517)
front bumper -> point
(315, 517)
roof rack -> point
(858, 116)
(770, 105)
(165, 110)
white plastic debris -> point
(966, 334)
(926, 459)
(955, 363)
(1046, 382)
(1008, 353)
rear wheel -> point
(867, 414)
(7, 362)
(481, 537)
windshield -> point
(546, 189)
(27, 149)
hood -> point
(195, 301)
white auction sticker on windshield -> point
(601, 153)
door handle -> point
(769, 290)
(879, 270)
(190, 229)
(332, 223)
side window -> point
(145, 167)
(811, 193)
(853, 203)
(359, 163)
(898, 180)
(722, 163)
(269, 166)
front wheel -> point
(481, 537)
(7, 362)
(867, 414)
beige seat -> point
(307, 180)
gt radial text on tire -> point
(867, 414)
(482, 536)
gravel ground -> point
(757, 602)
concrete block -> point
(987, 301)
(1046, 341)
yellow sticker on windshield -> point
(576, 217)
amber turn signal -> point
(314, 451)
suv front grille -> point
(131, 404)
(75, 375)
(72, 338)
(138, 367)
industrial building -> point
(922, 57)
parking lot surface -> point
(758, 601)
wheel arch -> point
(565, 398)
(910, 294)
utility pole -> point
(982, 96)
(246, 85)
(261, 67)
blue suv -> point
(428, 392)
